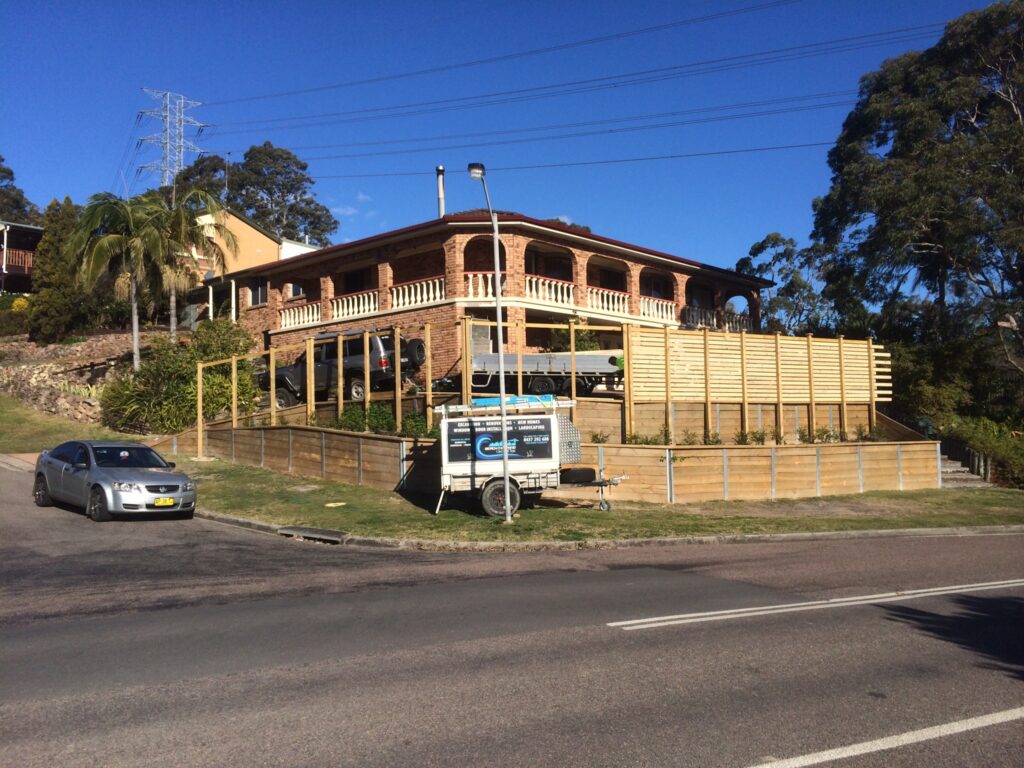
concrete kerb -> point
(441, 545)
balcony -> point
(417, 293)
(550, 291)
(607, 300)
(480, 285)
(698, 317)
(658, 309)
(355, 305)
(299, 315)
(19, 261)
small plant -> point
(352, 420)
(380, 419)
(741, 438)
(712, 438)
(778, 437)
(758, 437)
(689, 437)
(826, 435)
(635, 439)
(414, 425)
(803, 435)
(866, 435)
(599, 437)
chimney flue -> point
(440, 191)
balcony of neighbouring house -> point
(19, 261)
(550, 290)
(417, 293)
(298, 315)
(698, 317)
(352, 305)
(480, 285)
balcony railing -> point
(480, 285)
(550, 291)
(708, 318)
(417, 293)
(606, 300)
(302, 314)
(735, 322)
(657, 309)
(355, 304)
(18, 260)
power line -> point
(579, 124)
(584, 134)
(508, 56)
(743, 61)
(616, 161)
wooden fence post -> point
(467, 359)
(428, 398)
(234, 392)
(272, 365)
(669, 426)
(872, 415)
(780, 420)
(199, 410)
(744, 426)
(842, 391)
(572, 367)
(310, 384)
(520, 338)
(707, 387)
(627, 377)
(397, 332)
(810, 388)
(366, 371)
(340, 377)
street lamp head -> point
(476, 171)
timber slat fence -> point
(660, 474)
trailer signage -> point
(529, 437)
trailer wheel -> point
(493, 497)
(605, 505)
(542, 385)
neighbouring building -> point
(19, 246)
(442, 270)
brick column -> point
(385, 279)
(455, 266)
(326, 294)
(754, 302)
(579, 276)
(274, 304)
(679, 287)
(515, 264)
(719, 305)
(633, 287)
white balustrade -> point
(355, 304)
(550, 291)
(700, 317)
(607, 300)
(480, 285)
(302, 314)
(418, 293)
(657, 309)
(737, 322)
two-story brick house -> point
(441, 270)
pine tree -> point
(59, 306)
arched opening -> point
(699, 311)
(738, 312)
(549, 274)
(608, 285)
(478, 260)
(657, 295)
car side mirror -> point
(171, 464)
(80, 465)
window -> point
(258, 291)
(64, 452)
(81, 456)
(128, 456)
(297, 290)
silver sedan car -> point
(112, 477)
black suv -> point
(291, 379)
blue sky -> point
(73, 75)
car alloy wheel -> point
(97, 508)
(41, 493)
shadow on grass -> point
(992, 627)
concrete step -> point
(956, 475)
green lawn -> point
(23, 430)
(285, 500)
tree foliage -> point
(58, 308)
(271, 186)
(14, 206)
(928, 173)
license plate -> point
(163, 502)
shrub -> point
(874, 435)
(414, 425)
(777, 436)
(713, 438)
(162, 396)
(741, 438)
(20, 305)
(758, 437)
(352, 420)
(1003, 444)
(586, 341)
(381, 419)
(688, 437)
(13, 323)
(826, 435)
(599, 437)
(803, 435)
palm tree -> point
(192, 224)
(123, 238)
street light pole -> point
(476, 171)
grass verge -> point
(285, 500)
(23, 430)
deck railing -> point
(699, 317)
(607, 300)
(417, 293)
(738, 322)
(20, 260)
(550, 290)
(301, 314)
(355, 304)
(480, 285)
(657, 309)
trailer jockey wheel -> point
(493, 497)
(605, 505)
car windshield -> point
(128, 456)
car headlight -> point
(127, 487)
(188, 486)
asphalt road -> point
(168, 642)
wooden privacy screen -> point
(708, 366)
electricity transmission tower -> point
(171, 112)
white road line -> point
(899, 740)
(811, 605)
